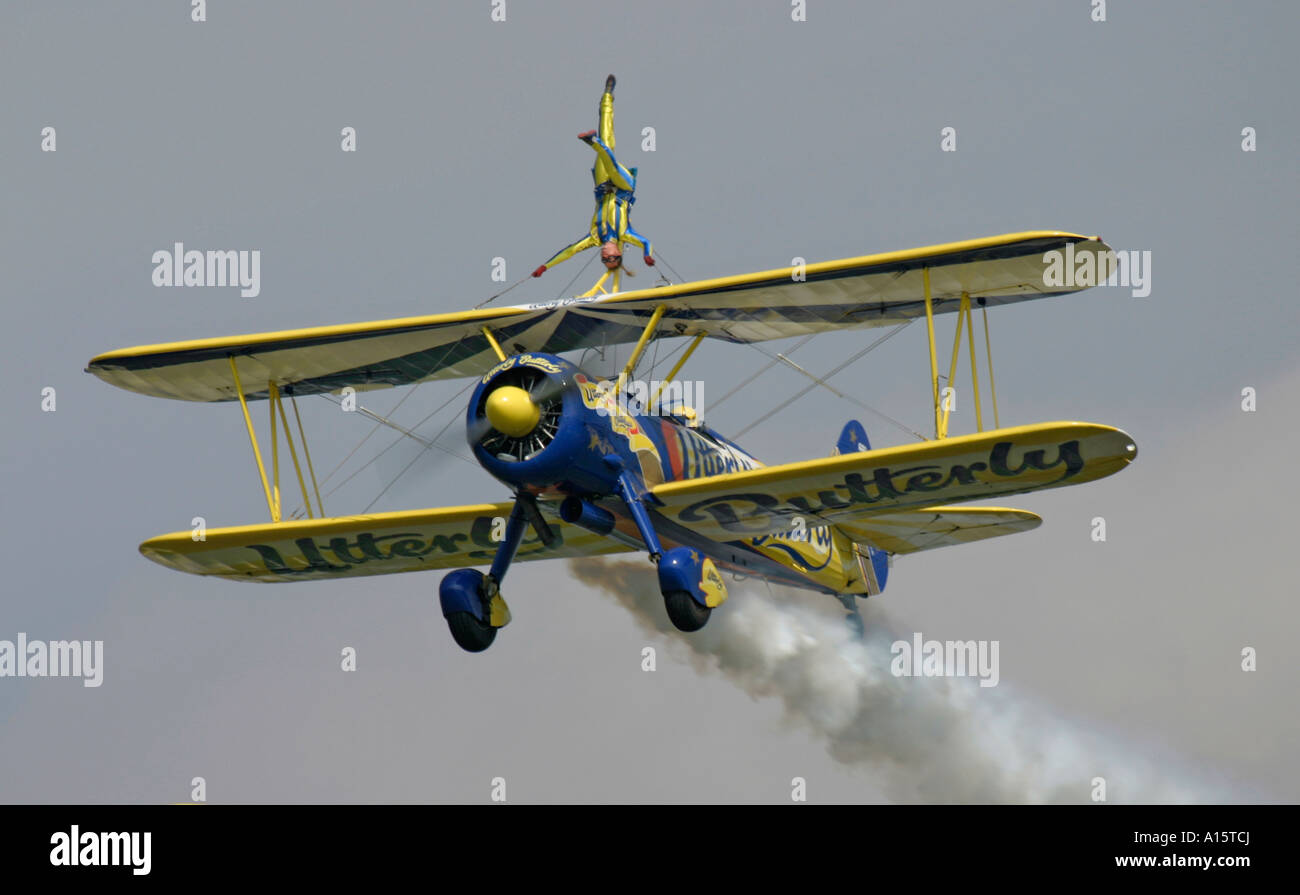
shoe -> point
(609, 84)
(587, 137)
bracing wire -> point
(659, 256)
(432, 443)
(797, 345)
(837, 369)
(399, 438)
(563, 292)
(501, 293)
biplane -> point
(590, 473)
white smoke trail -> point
(931, 739)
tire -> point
(470, 634)
(685, 614)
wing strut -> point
(970, 347)
(501, 355)
(272, 488)
(640, 346)
(950, 399)
(934, 355)
(320, 504)
(677, 368)
(600, 284)
(988, 353)
(252, 438)
(277, 404)
(943, 408)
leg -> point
(607, 113)
(607, 167)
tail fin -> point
(852, 439)
(875, 565)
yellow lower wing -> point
(352, 546)
(847, 488)
(915, 530)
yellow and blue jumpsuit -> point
(615, 185)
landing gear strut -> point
(681, 570)
(471, 601)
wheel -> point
(470, 634)
(684, 612)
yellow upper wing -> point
(352, 546)
(849, 488)
(871, 290)
(378, 354)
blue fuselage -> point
(586, 436)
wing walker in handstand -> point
(591, 473)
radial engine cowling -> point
(527, 425)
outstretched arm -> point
(647, 251)
(564, 254)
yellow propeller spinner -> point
(511, 410)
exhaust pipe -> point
(576, 511)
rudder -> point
(853, 438)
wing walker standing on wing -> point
(611, 225)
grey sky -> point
(775, 139)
